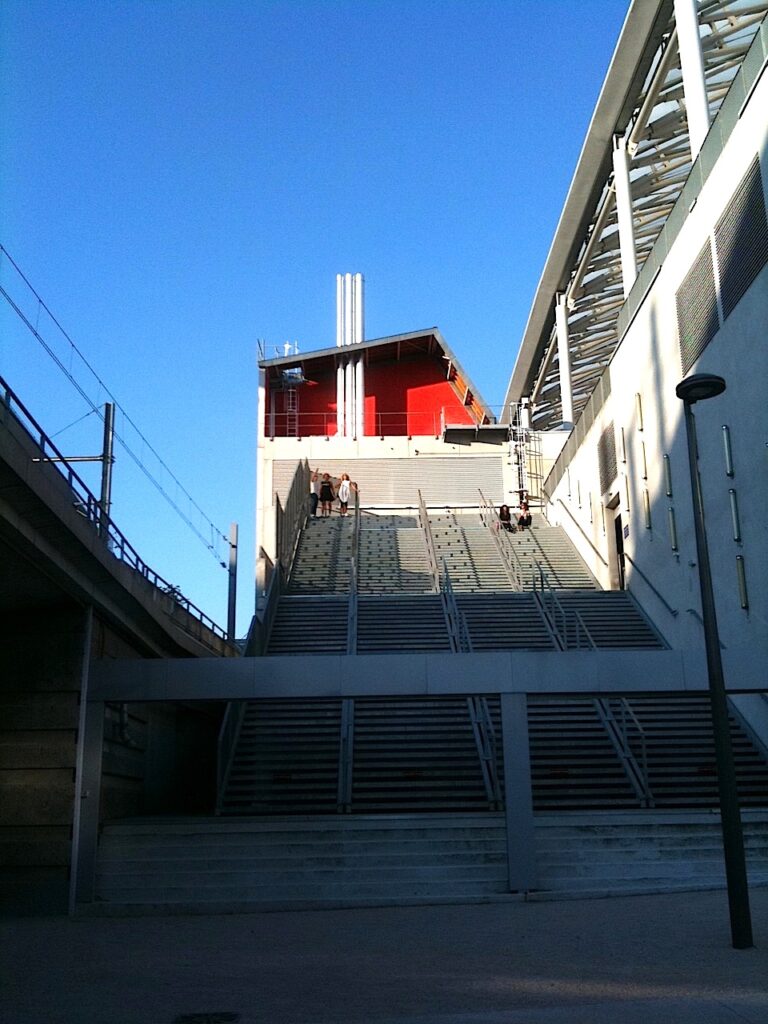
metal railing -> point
(568, 627)
(352, 609)
(291, 517)
(85, 502)
(485, 741)
(429, 541)
(619, 719)
(502, 540)
(578, 526)
(346, 757)
(672, 611)
(229, 733)
(381, 424)
(457, 623)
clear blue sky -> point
(179, 179)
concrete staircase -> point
(287, 759)
(473, 560)
(218, 865)
(648, 851)
(309, 625)
(575, 766)
(551, 548)
(399, 624)
(499, 622)
(392, 557)
(215, 865)
(415, 754)
(321, 562)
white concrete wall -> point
(648, 362)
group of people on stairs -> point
(323, 491)
(522, 517)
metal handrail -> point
(509, 556)
(672, 611)
(429, 540)
(229, 734)
(89, 506)
(352, 609)
(457, 623)
(344, 773)
(618, 733)
(291, 518)
(579, 527)
(485, 742)
(563, 621)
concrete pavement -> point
(634, 960)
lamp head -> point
(700, 387)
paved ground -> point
(633, 960)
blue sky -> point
(180, 179)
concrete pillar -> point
(564, 357)
(518, 797)
(692, 64)
(624, 211)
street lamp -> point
(698, 388)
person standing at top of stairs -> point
(314, 492)
(326, 495)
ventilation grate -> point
(606, 457)
(697, 319)
(741, 239)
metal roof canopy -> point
(393, 347)
(642, 91)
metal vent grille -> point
(697, 318)
(442, 480)
(606, 457)
(741, 239)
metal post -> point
(624, 212)
(107, 461)
(232, 597)
(730, 816)
(692, 65)
(564, 360)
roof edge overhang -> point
(641, 34)
(393, 340)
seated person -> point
(505, 518)
(524, 518)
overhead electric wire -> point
(94, 408)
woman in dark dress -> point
(505, 518)
(326, 496)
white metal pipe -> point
(692, 64)
(359, 309)
(347, 309)
(349, 399)
(340, 399)
(339, 311)
(564, 357)
(359, 398)
(624, 210)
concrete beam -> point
(379, 675)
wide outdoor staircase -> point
(469, 552)
(377, 800)
(397, 625)
(236, 864)
(647, 851)
(322, 559)
(364, 755)
(550, 548)
(392, 556)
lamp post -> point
(698, 388)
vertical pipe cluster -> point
(350, 383)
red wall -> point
(405, 397)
